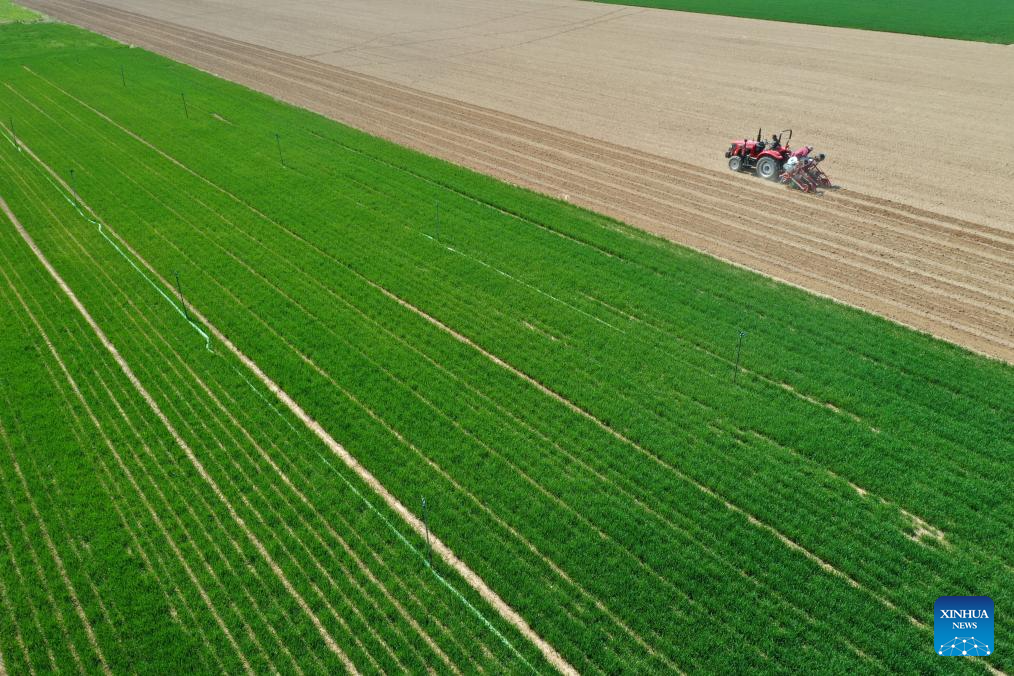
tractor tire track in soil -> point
(935, 273)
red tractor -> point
(772, 160)
(765, 158)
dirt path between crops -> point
(935, 253)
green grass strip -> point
(11, 13)
(977, 20)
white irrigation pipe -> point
(401, 537)
(77, 207)
(426, 562)
(9, 140)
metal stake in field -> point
(278, 141)
(185, 111)
(123, 77)
(73, 183)
(429, 547)
(179, 289)
(739, 348)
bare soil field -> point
(627, 111)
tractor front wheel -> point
(736, 163)
(767, 168)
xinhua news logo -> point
(963, 626)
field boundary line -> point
(386, 521)
(231, 401)
(394, 529)
(328, 639)
(223, 431)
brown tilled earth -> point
(627, 111)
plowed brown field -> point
(935, 251)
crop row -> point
(238, 610)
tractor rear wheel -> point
(768, 168)
(736, 163)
